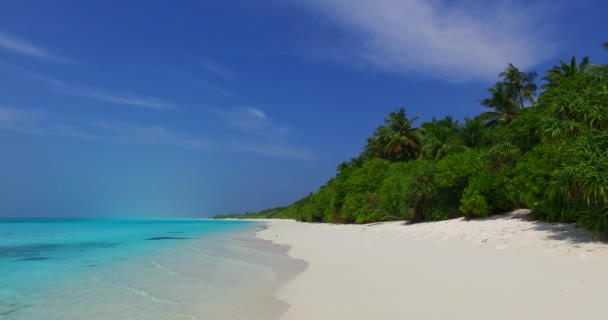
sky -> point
(195, 108)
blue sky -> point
(192, 108)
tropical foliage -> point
(565, 70)
(397, 140)
(548, 154)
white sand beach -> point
(504, 267)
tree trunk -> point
(418, 212)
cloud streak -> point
(251, 130)
(39, 123)
(129, 100)
(20, 46)
(244, 130)
(95, 94)
(219, 70)
(22, 121)
(468, 40)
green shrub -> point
(521, 133)
(474, 205)
(409, 191)
(531, 179)
(392, 191)
(363, 182)
(455, 170)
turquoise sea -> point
(139, 269)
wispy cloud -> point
(129, 100)
(254, 123)
(186, 77)
(251, 130)
(66, 130)
(95, 94)
(455, 40)
(219, 69)
(40, 123)
(21, 46)
(276, 150)
(33, 75)
(133, 133)
(244, 129)
(23, 121)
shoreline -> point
(503, 267)
(188, 272)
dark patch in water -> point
(35, 250)
(8, 308)
(7, 312)
(175, 232)
(168, 238)
(34, 259)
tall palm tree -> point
(565, 70)
(440, 138)
(397, 140)
(473, 132)
(404, 139)
(504, 105)
(375, 145)
(521, 83)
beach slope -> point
(504, 267)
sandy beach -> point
(505, 267)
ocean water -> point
(139, 269)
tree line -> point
(544, 148)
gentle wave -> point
(149, 296)
(161, 267)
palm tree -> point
(521, 83)
(503, 103)
(565, 70)
(375, 146)
(440, 138)
(397, 140)
(473, 132)
(403, 141)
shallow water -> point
(139, 269)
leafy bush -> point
(522, 132)
(409, 191)
(363, 182)
(578, 105)
(473, 204)
(531, 179)
(392, 191)
(455, 170)
(580, 184)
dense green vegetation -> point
(547, 152)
